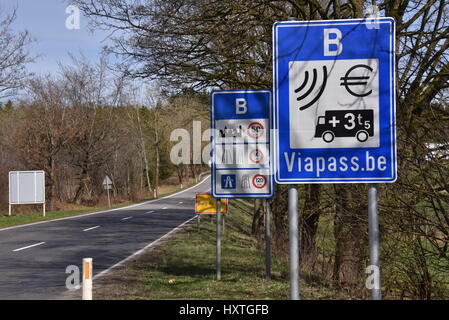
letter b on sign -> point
(241, 106)
(332, 42)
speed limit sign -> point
(259, 181)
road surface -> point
(34, 258)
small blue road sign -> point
(334, 101)
(228, 181)
(241, 123)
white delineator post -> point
(87, 279)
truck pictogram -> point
(345, 123)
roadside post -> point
(87, 278)
(267, 240)
(223, 222)
(206, 204)
(26, 187)
(293, 233)
(374, 242)
(334, 113)
(218, 255)
(107, 185)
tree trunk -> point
(350, 227)
(144, 152)
(156, 143)
(309, 225)
(180, 175)
(194, 172)
(51, 184)
(257, 217)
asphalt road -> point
(34, 258)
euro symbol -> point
(309, 91)
(348, 81)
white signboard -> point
(107, 183)
(26, 187)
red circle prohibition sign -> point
(251, 129)
(256, 156)
(258, 178)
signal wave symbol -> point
(310, 90)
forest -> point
(85, 124)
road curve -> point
(34, 258)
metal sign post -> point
(293, 241)
(223, 222)
(206, 204)
(374, 243)
(219, 215)
(107, 184)
(267, 240)
(109, 198)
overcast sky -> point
(46, 21)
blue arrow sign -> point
(334, 101)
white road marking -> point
(100, 212)
(150, 211)
(27, 247)
(149, 246)
(164, 208)
(126, 218)
(181, 202)
(88, 229)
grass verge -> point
(184, 267)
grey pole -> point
(374, 243)
(109, 199)
(218, 239)
(223, 223)
(293, 241)
(267, 240)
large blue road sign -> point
(241, 123)
(334, 101)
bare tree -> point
(13, 56)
